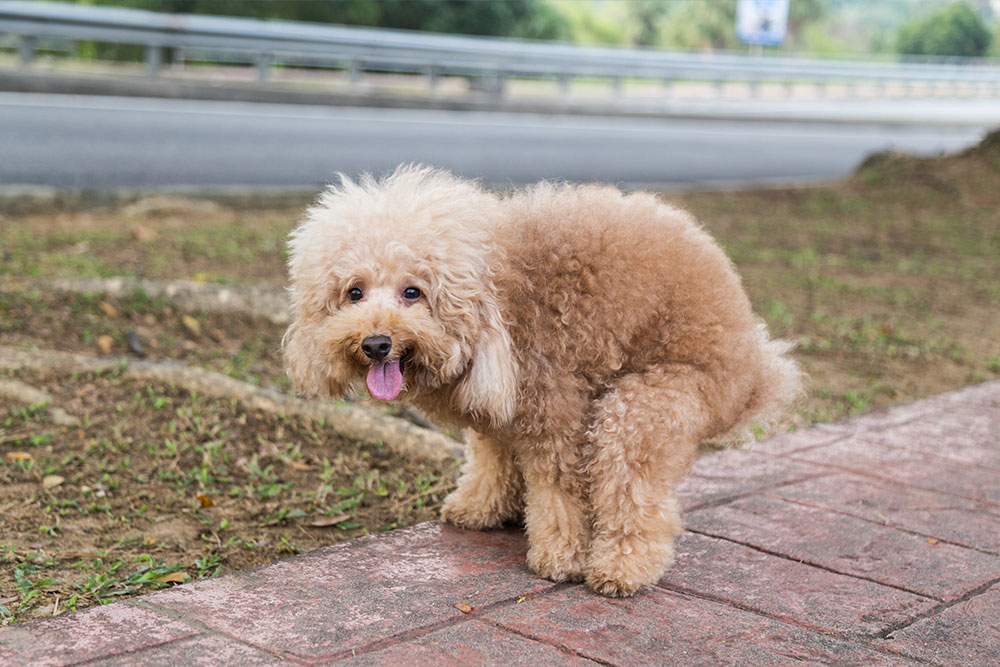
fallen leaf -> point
(932, 541)
(325, 521)
(144, 234)
(108, 309)
(19, 456)
(192, 325)
(148, 541)
(52, 481)
(464, 607)
(205, 501)
(104, 343)
(298, 465)
(173, 577)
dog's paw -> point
(605, 585)
(558, 565)
(619, 569)
(459, 511)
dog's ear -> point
(312, 371)
(489, 387)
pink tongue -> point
(385, 379)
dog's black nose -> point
(376, 347)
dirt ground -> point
(115, 487)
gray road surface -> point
(109, 142)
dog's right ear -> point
(311, 370)
(489, 387)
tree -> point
(955, 30)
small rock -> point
(135, 344)
(62, 418)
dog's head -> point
(392, 283)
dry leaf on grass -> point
(192, 325)
(104, 344)
(52, 481)
(173, 578)
(325, 521)
(205, 501)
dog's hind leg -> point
(491, 489)
(644, 437)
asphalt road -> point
(108, 142)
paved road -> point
(105, 142)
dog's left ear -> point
(489, 387)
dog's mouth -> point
(385, 378)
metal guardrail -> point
(265, 44)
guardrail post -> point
(264, 62)
(26, 49)
(433, 78)
(154, 60)
(354, 75)
(563, 83)
(499, 85)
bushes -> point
(955, 30)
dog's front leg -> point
(490, 491)
(555, 514)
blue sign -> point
(762, 22)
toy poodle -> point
(588, 339)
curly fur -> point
(589, 339)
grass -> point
(887, 280)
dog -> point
(587, 339)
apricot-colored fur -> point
(588, 339)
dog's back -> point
(606, 284)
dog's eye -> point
(355, 294)
(411, 294)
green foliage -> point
(512, 18)
(702, 25)
(955, 30)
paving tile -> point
(885, 418)
(658, 627)
(85, 635)
(205, 650)
(907, 466)
(967, 633)
(962, 433)
(468, 644)
(354, 594)
(794, 441)
(984, 393)
(849, 545)
(717, 477)
(944, 517)
(789, 590)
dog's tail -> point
(779, 387)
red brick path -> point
(869, 542)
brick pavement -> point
(869, 542)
